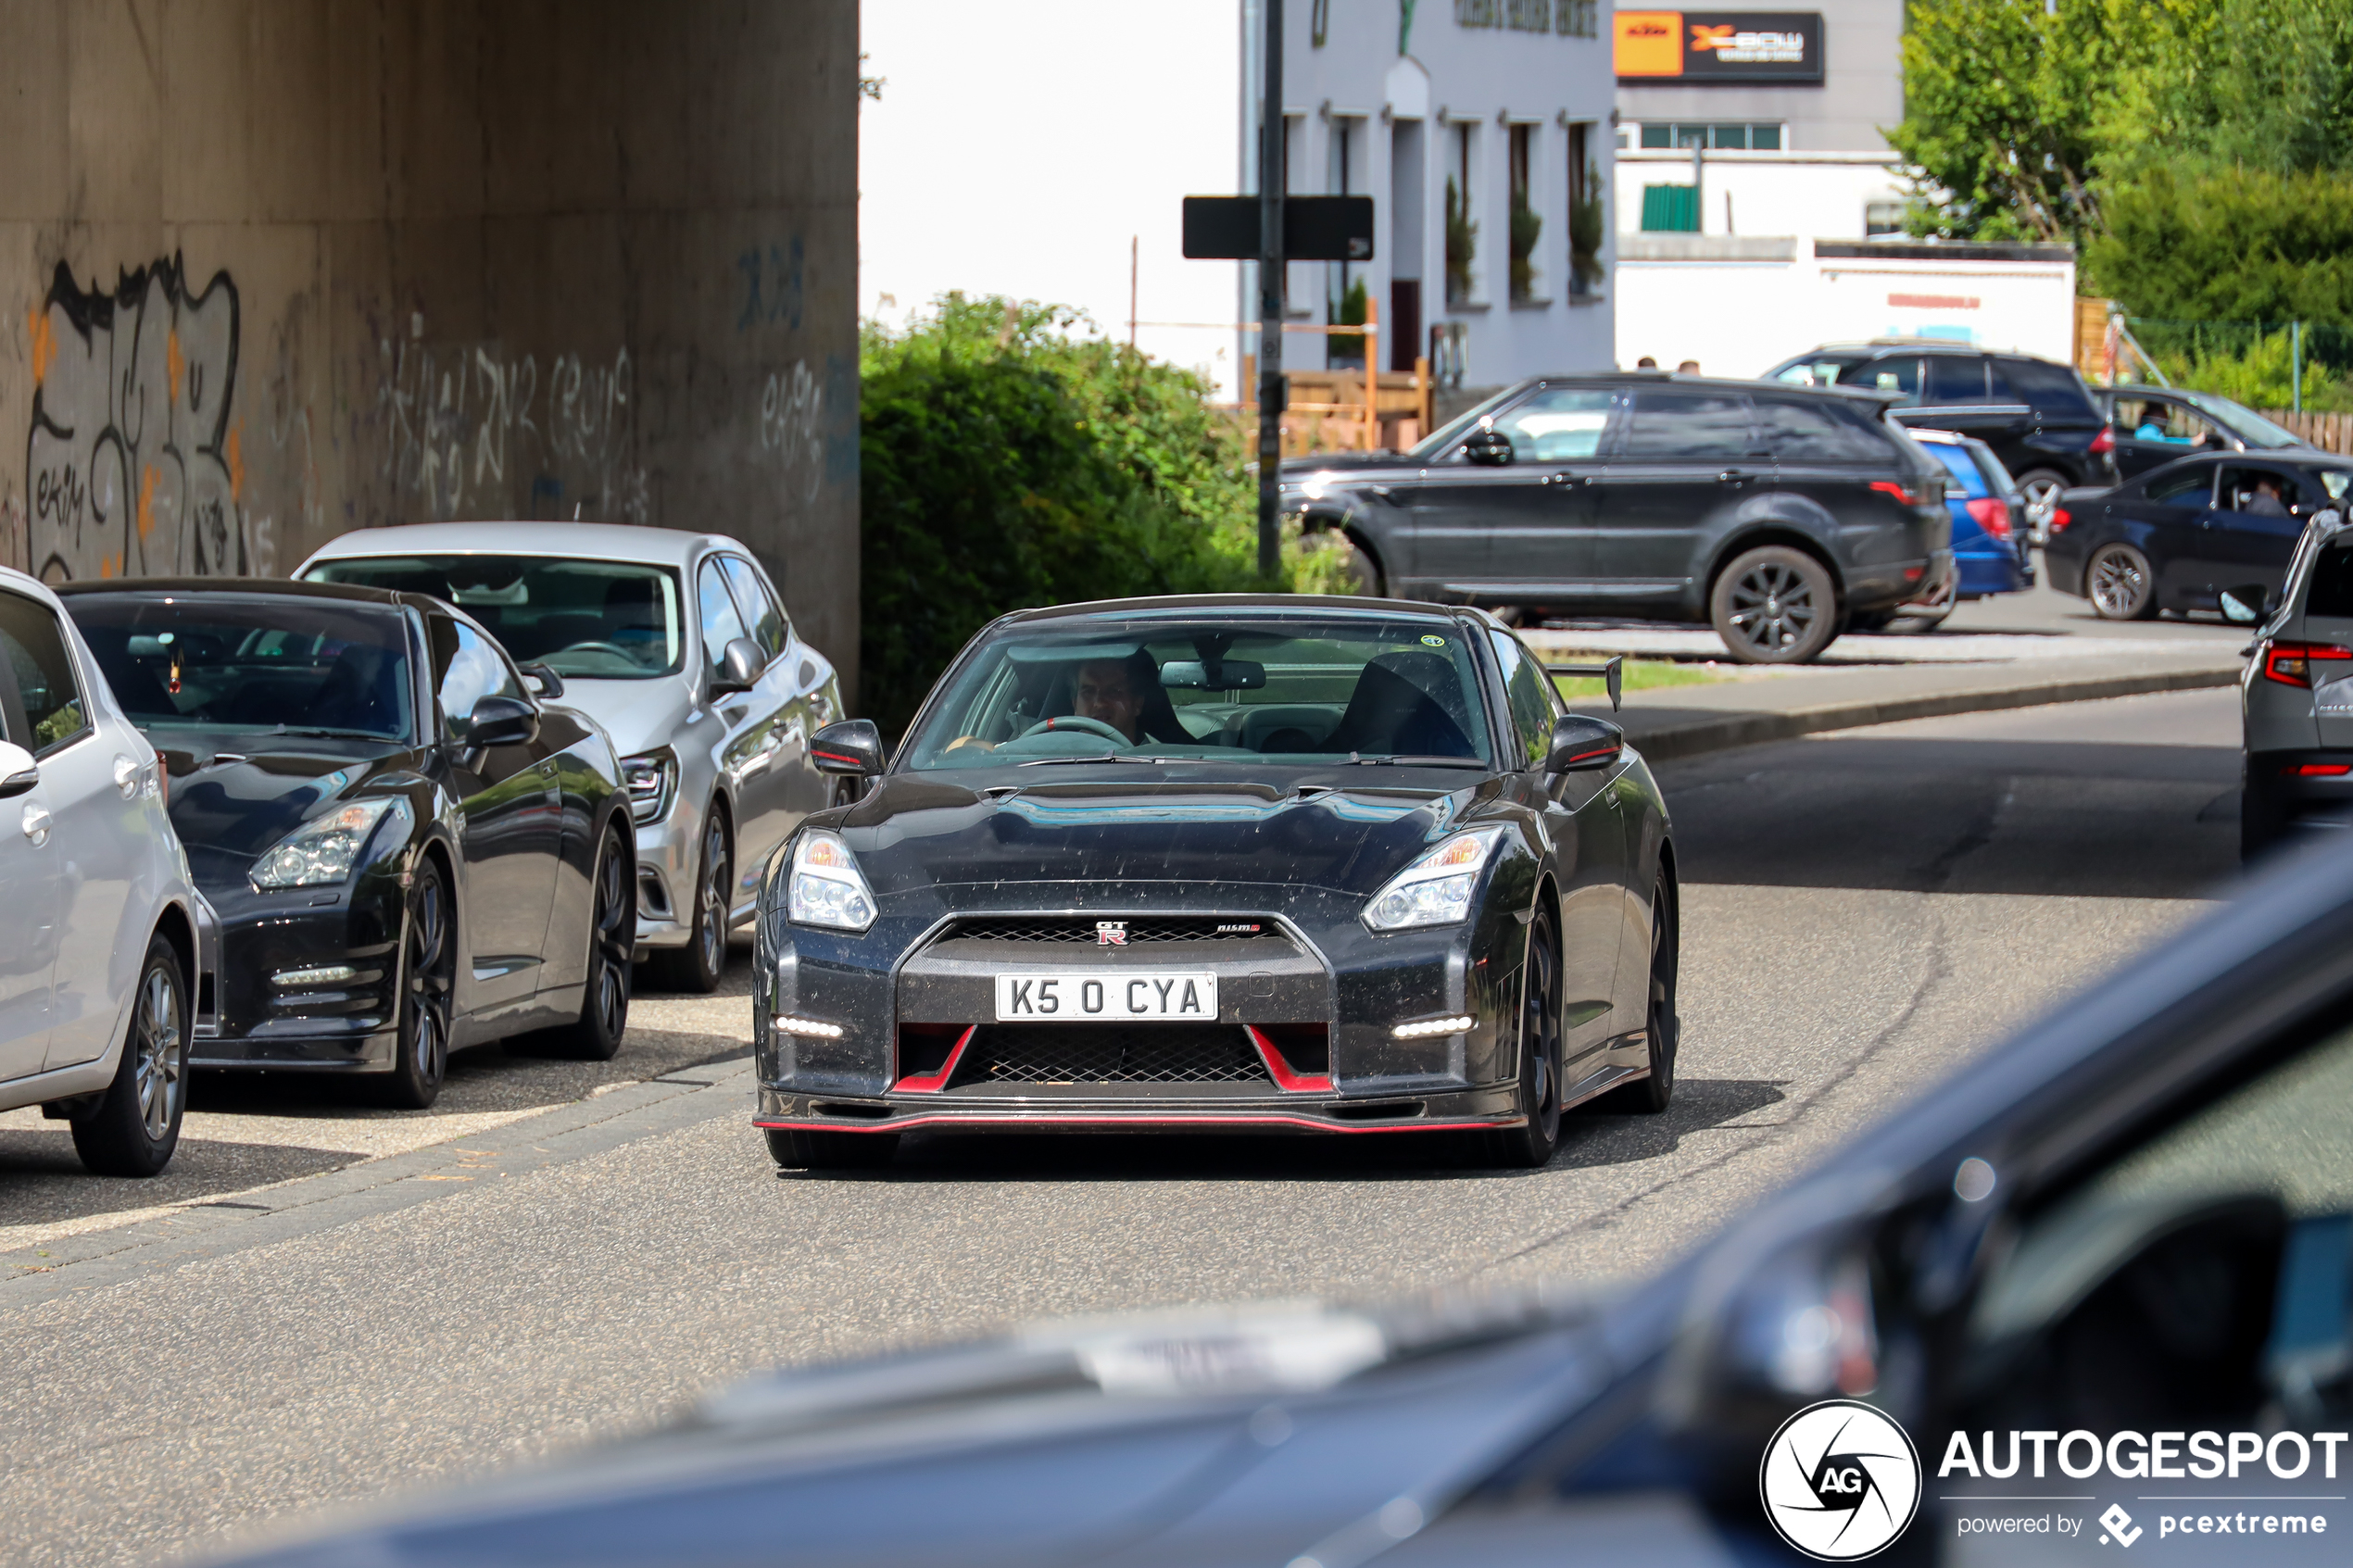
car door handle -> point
(1734, 476)
(36, 824)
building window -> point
(1882, 217)
(1670, 209)
(1345, 303)
(1527, 224)
(1750, 137)
(1587, 217)
(1462, 227)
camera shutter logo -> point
(1840, 1481)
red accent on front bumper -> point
(932, 1083)
(1280, 1070)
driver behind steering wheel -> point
(1113, 692)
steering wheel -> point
(1066, 723)
(613, 648)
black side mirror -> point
(18, 772)
(1489, 447)
(502, 720)
(1579, 743)
(852, 746)
(551, 684)
(2246, 605)
(740, 664)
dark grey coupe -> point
(1316, 865)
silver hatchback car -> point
(677, 644)
(2297, 692)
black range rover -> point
(1780, 515)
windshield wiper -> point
(1414, 760)
(1106, 756)
(324, 732)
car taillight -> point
(1992, 514)
(2104, 442)
(2291, 663)
(2061, 518)
(1926, 493)
(2316, 769)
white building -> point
(1500, 106)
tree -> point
(2248, 246)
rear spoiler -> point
(1609, 672)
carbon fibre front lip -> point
(1444, 1111)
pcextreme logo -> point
(1840, 1481)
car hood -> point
(638, 715)
(916, 831)
(235, 794)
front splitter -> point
(1454, 1110)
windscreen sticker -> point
(1431, 640)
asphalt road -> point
(1863, 912)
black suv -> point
(1779, 515)
(2039, 417)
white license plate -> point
(1122, 996)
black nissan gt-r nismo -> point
(1243, 862)
(407, 853)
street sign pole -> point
(1270, 297)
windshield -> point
(1442, 441)
(1818, 369)
(588, 619)
(252, 662)
(1300, 692)
(2245, 423)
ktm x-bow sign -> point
(1728, 47)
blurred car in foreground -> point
(2037, 414)
(2296, 694)
(407, 854)
(2177, 536)
(1265, 864)
(677, 643)
(2155, 424)
(1772, 513)
(1990, 553)
(104, 946)
(2122, 1240)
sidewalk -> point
(1686, 720)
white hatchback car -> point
(678, 645)
(103, 937)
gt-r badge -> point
(1111, 934)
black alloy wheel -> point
(1774, 606)
(428, 988)
(1533, 1143)
(698, 966)
(612, 937)
(136, 1123)
(796, 1151)
(1662, 1026)
(2121, 584)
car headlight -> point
(824, 887)
(1436, 889)
(652, 781)
(323, 850)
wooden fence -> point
(2329, 432)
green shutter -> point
(1670, 209)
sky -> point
(1020, 144)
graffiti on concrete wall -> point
(791, 406)
(469, 426)
(133, 463)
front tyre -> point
(1533, 1142)
(794, 1150)
(428, 988)
(613, 934)
(1774, 606)
(136, 1126)
(1662, 1026)
(698, 966)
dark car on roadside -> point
(2155, 425)
(2117, 1249)
(409, 851)
(1776, 514)
(2037, 414)
(2176, 537)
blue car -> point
(1990, 548)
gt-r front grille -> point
(1079, 1053)
(1125, 931)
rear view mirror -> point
(502, 720)
(1579, 743)
(1489, 447)
(740, 664)
(18, 772)
(2246, 605)
(1217, 675)
(852, 746)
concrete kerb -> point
(1663, 735)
